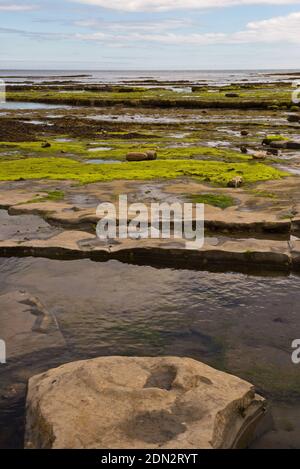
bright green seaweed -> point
(214, 172)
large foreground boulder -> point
(120, 402)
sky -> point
(149, 34)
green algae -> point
(54, 196)
(74, 147)
(216, 200)
(200, 151)
(214, 172)
(276, 138)
(265, 194)
(117, 150)
(260, 97)
(266, 378)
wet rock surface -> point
(119, 402)
(24, 227)
(26, 325)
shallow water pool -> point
(241, 324)
(12, 105)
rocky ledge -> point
(120, 402)
(216, 254)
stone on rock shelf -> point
(141, 156)
(259, 155)
(152, 155)
(129, 402)
(236, 182)
(136, 156)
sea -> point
(213, 77)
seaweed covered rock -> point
(128, 402)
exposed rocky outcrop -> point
(253, 233)
(216, 253)
(119, 402)
(281, 145)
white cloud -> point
(9, 7)
(279, 29)
(135, 26)
(274, 30)
(166, 5)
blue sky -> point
(149, 34)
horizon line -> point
(149, 70)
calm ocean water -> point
(192, 76)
